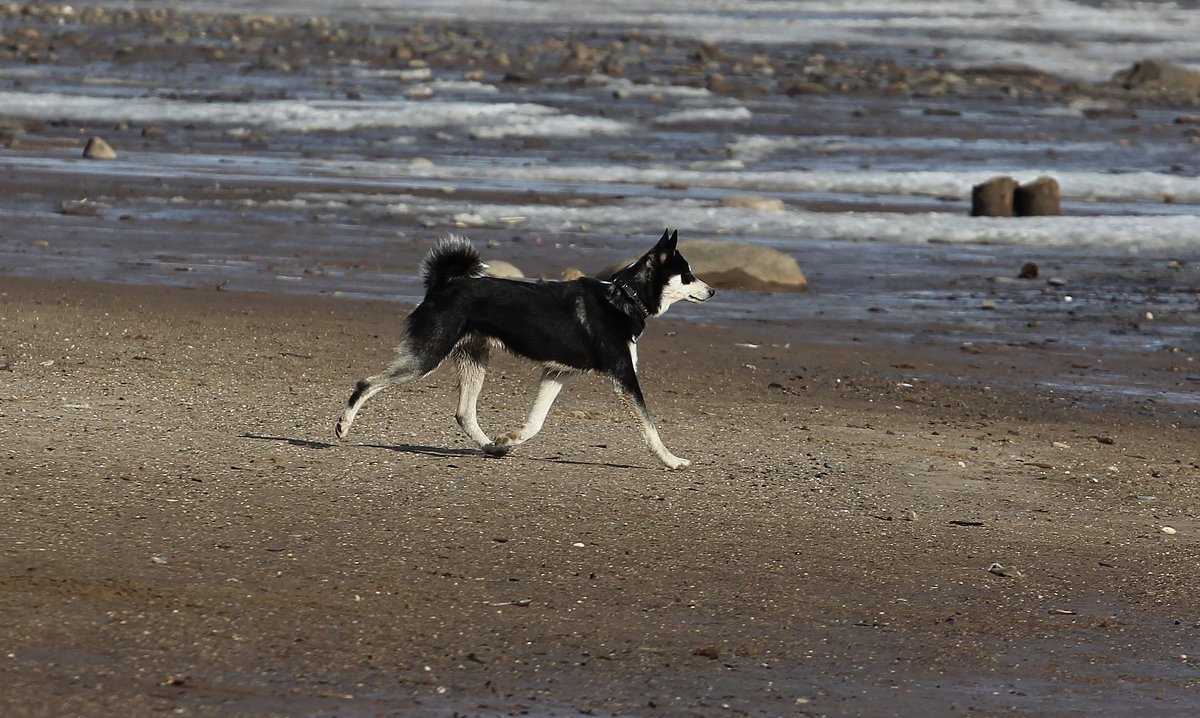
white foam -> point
(697, 218)
(1083, 186)
(495, 119)
(717, 115)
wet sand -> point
(182, 534)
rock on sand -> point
(503, 269)
(97, 149)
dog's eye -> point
(688, 278)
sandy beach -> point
(923, 488)
(182, 533)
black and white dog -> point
(574, 327)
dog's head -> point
(664, 277)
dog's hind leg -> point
(552, 383)
(471, 355)
(405, 367)
(626, 386)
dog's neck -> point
(632, 297)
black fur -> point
(453, 258)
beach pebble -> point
(97, 149)
(761, 204)
(998, 570)
(1168, 530)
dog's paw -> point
(496, 450)
(677, 464)
(341, 429)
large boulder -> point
(1155, 75)
(736, 265)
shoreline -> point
(187, 535)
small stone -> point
(999, 570)
(1028, 271)
(1168, 530)
(761, 204)
(97, 149)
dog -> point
(575, 327)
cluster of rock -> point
(38, 33)
(1004, 197)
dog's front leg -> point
(552, 384)
(631, 395)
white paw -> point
(675, 463)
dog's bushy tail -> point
(454, 257)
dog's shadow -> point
(406, 448)
(431, 451)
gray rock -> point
(97, 149)
(1158, 75)
(736, 265)
(761, 204)
(503, 269)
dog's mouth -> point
(697, 298)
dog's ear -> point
(666, 245)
